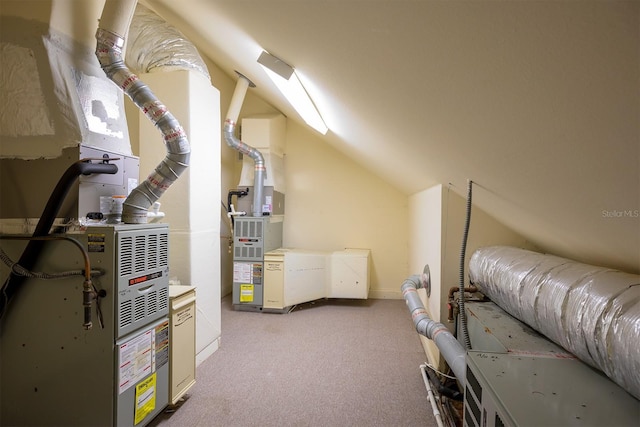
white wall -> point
(425, 239)
(436, 218)
(332, 203)
(191, 203)
(425, 248)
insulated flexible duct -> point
(233, 142)
(449, 347)
(153, 44)
(113, 27)
(593, 312)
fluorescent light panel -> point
(286, 80)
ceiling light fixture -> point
(285, 78)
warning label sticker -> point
(242, 272)
(145, 398)
(136, 359)
(95, 242)
(246, 293)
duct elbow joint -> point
(423, 326)
(228, 129)
(411, 282)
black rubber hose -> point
(442, 389)
(32, 251)
(463, 251)
(238, 194)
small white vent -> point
(140, 311)
(163, 251)
(163, 299)
(126, 313)
(126, 256)
(152, 303)
(153, 256)
(140, 255)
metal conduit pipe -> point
(462, 313)
(452, 351)
(593, 312)
(233, 142)
(112, 30)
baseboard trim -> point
(207, 351)
(385, 294)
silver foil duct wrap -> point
(592, 312)
(154, 45)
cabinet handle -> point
(183, 303)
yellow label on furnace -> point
(246, 293)
(145, 398)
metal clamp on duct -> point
(593, 312)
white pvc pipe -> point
(116, 16)
(236, 101)
(432, 399)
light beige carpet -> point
(326, 363)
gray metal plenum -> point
(449, 347)
(116, 17)
(592, 312)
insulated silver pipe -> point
(112, 29)
(452, 351)
(593, 312)
(233, 142)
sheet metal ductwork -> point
(593, 312)
(112, 30)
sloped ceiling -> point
(537, 102)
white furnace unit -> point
(54, 372)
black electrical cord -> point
(442, 389)
(31, 253)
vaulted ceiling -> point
(537, 102)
